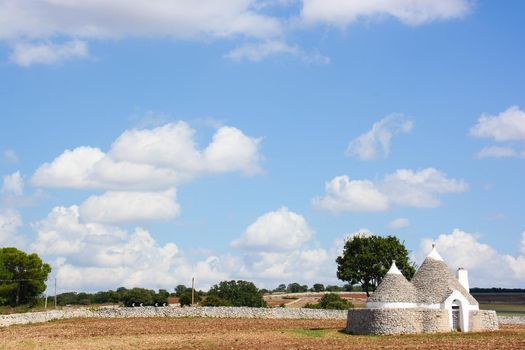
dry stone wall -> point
(483, 320)
(396, 321)
(126, 312)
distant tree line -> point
(496, 290)
(122, 295)
(317, 287)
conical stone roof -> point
(394, 288)
(434, 282)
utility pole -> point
(192, 291)
(55, 292)
(45, 303)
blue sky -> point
(144, 144)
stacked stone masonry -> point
(219, 312)
(413, 320)
(483, 320)
(396, 321)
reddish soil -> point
(206, 333)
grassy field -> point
(505, 309)
(206, 333)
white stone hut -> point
(433, 301)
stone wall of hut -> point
(483, 320)
(416, 320)
(397, 321)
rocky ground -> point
(207, 333)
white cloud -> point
(275, 231)
(182, 19)
(398, 224)
(13, 184)
(122, 207)
(10, 156)
(231, 150)
(419, 189)
(499, 152)
(71, 169)
(92, 256)
(404, 188)
(27, 54)
(487, 267)
(506, 126)
(279, 248)
(369, 145)
(10, 222)
(412, 12)
(256, 52)
(343, 194)
(29, 23)
(151, 159)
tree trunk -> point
(17, 302)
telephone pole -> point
(55, 292)
(192, 291)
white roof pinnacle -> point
(434, 254)
(394, 269)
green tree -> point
(366, 260)
(213, 300)
(296, 288)
(138, 296)
(318, 287)
(180, 289)
(334, 302)
(161, 297)
(280, 288)
(22, 277)
(238, 293)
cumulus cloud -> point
(123, 207)
(13, 184)
(487, 267)
(506, 126)
(278, 248)
(398, 224)
(274, 231)
(404, 188)
(10, 222)
(92, 256)
(412, 12)
(256, 52)
(343, 194)
(27, 54)
(151, 159)
(376, 142)
(36, 21)
(182, 19)
(419, 188)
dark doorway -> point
(455, 318)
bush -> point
(185, 298)
(138, 296)
(213, 300)
(330, 301)
(235, 293)
(312, 306)
(334, 302)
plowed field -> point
(261, 334)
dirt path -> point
(203, 333)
